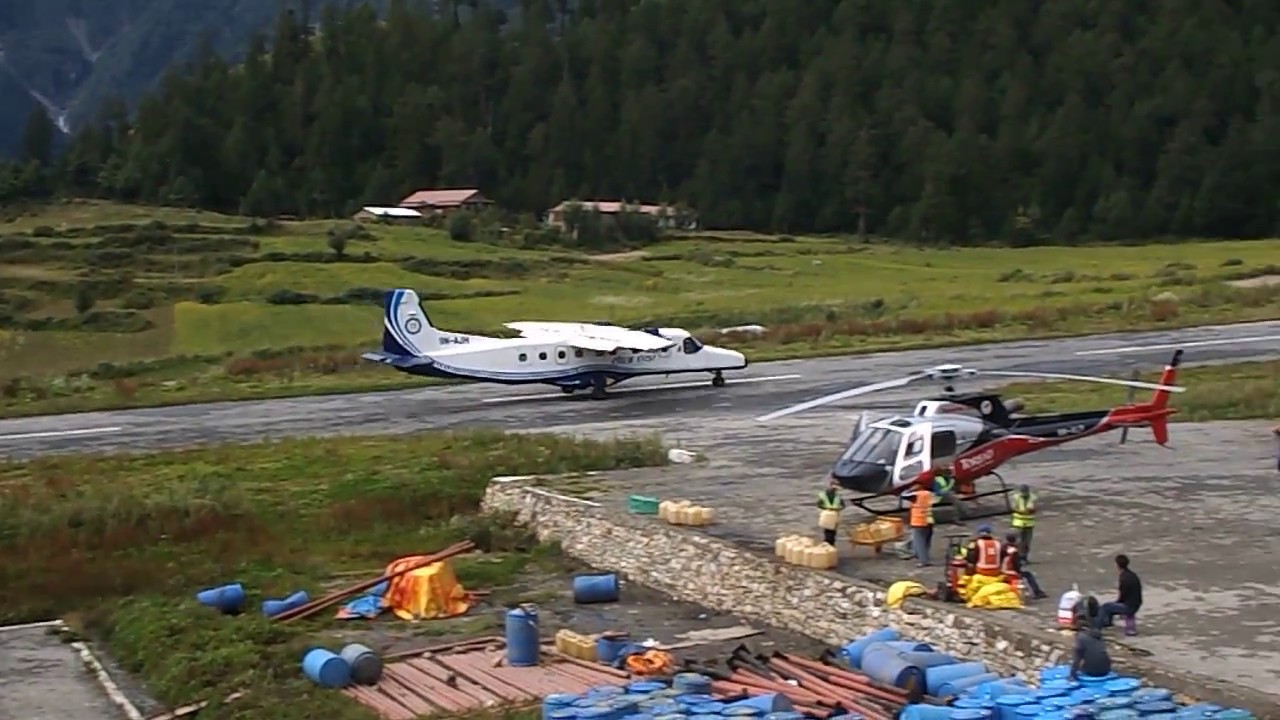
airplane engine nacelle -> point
(1014, 405)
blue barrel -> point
(1120, 714)
(711, 708)
(853, 651)
(909, 646)
(789, 715)
(522, 636)
(1099, 681)
(660, 707)
(1044, 693)
(759, 705)
(1152, 694)
(742, 711)
(1063, 684)
(1122, 686)
(644, 687)
(1058, 702)
(271, 608)
(606, 691)
(1028, 712)
(564, 713)
(1002, 688)
(637, 716)
(597, 588)
(1053, 715)
(1206, 709)
(670, 716)
(224, 598)
(1054, 672)
(594, 713)
(702, 716)
(1007, 705)
(920, 711)
(936, 677)
(326, 669)
(692, 699)
(924, 660)
(1113, 702)
(846, 716)
(1154, 707)
(584, 702)
(691, 683)
(1086, 695)
(970, 714)
(1082, 712)
(884, 664)
(970, 703)
(557, 701)
(956, 687)
(366, 666)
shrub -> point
(461, 226)
(210, 294)
(139, 300)
(285, 296)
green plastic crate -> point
(642, 505)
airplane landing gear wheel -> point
(717, 380)
(568, 390)
(597, 388)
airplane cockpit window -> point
(691, 345)
(876, 445)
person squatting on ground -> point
(1011, 566)
(830, 499)
(1090, 656)
(1024, 519)
(1128, 600)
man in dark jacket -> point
(1090, 656)
(1129, 600)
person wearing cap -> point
(984, 553)
(829, 500)
(1024, 519)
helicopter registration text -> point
(973, 463)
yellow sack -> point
(998, 595)
(968, 585)
(900, 591)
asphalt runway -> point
(760, 388)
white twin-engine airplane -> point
(571, 356)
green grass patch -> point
(817, 296)
(120, 544)
(1236, 391)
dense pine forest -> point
(955, 121)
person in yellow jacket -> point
(1024, 520)
(830, 499)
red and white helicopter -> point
(973, 432)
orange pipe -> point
(764, 686)
(852, 680)
(847, 697)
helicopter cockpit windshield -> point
(877, 446)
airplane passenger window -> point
(577, 353)
(524, 357)
(691, 345)
(560, 354)
(542, 356)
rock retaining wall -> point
(693, 567)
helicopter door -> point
(915, 454)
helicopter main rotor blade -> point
(836, 397)
(1089, 378)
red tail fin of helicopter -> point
(1154, 412)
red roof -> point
(443, 198)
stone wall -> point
(693, 567)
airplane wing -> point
(601, 338)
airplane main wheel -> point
(597, 388)
(717, 380)
(568, 390)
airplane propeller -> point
(949, 373)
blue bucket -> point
(936, 677)
(956, 687)
(326, 669)
(852, 652)
(226, 599)
(761, 704)
(598, 588)
(920, 711)
(1007, 705)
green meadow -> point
(106, 305)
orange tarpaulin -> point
(426, 593)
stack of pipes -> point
(815, 688)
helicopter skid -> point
(962, 510)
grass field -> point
(1237, 391)
(119, 545)
(178, 305)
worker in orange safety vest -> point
(984, 554)
(1014, 572)
(921, 521)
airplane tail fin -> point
(1156, 411)
(406, 329)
